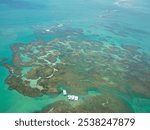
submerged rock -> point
(58, 107)
(3, 59)
(105, 103)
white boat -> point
(64, 92)
(73, 97)
(76, 98)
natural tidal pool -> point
(95, 52)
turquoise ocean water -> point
(19, 19)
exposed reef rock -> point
(41, 67)
(22, 86)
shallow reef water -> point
(101, 56)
